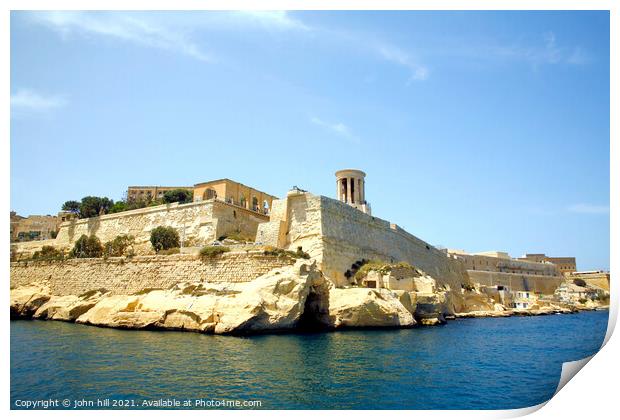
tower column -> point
(350, 184)
(351, 198)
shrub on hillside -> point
(119, 246)
(213, 251)
(48, 253)
(164, 237)
(279, 252)
(363, 270)
(236, 236)
(87, 247)
(169, 251)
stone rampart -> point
(198, 224)
(130, 275)
(516, 282)
(350, 235)
(338, 235)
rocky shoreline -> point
(290, 298)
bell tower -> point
(350, 189)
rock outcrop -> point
(286, 298)
(68, 308)
(362, 307)
(25, 301)
(274, 301)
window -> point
(209, 194)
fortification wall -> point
(534, 283)
(349, 235)
(488, 263)
(338, 235)
(195, 218)
(198, 224)
(597, 279)
(125, 276)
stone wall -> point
(479, 262)
(197, 223)
(538, 284)
(598, 279)
(337, 235)
(125, 276)
(350, 235)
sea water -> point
(485, 363)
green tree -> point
(94, 206)
(118, 206)
(118, 246)
(87, 247)
(164, 237)
(178, 196)
(72, 206)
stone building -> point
(234, 193)
(33, 227)
(566, 265)
(338, 234)
(223, 189)
(501, 262)
(493, 268)
(148, 193)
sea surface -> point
(485, 363)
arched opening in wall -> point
(242, 200)
(254, 203)
(209, 194)
(230, 200)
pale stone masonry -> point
(198, 223)
(130, 275)
(338, 235)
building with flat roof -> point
(235, 193)
(224, 189)
(148, 193)
(33, 227)
(566, 265)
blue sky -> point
(477, 130)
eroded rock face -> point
(68, 308)
(362, 307)
(25, 301)
(273, 301)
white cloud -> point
(338, 128)
(130, 27)
(588, 209)
(271, 19)
(25, 100)
(396, 55)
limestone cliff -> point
(285, 298)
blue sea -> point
(485, 363)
